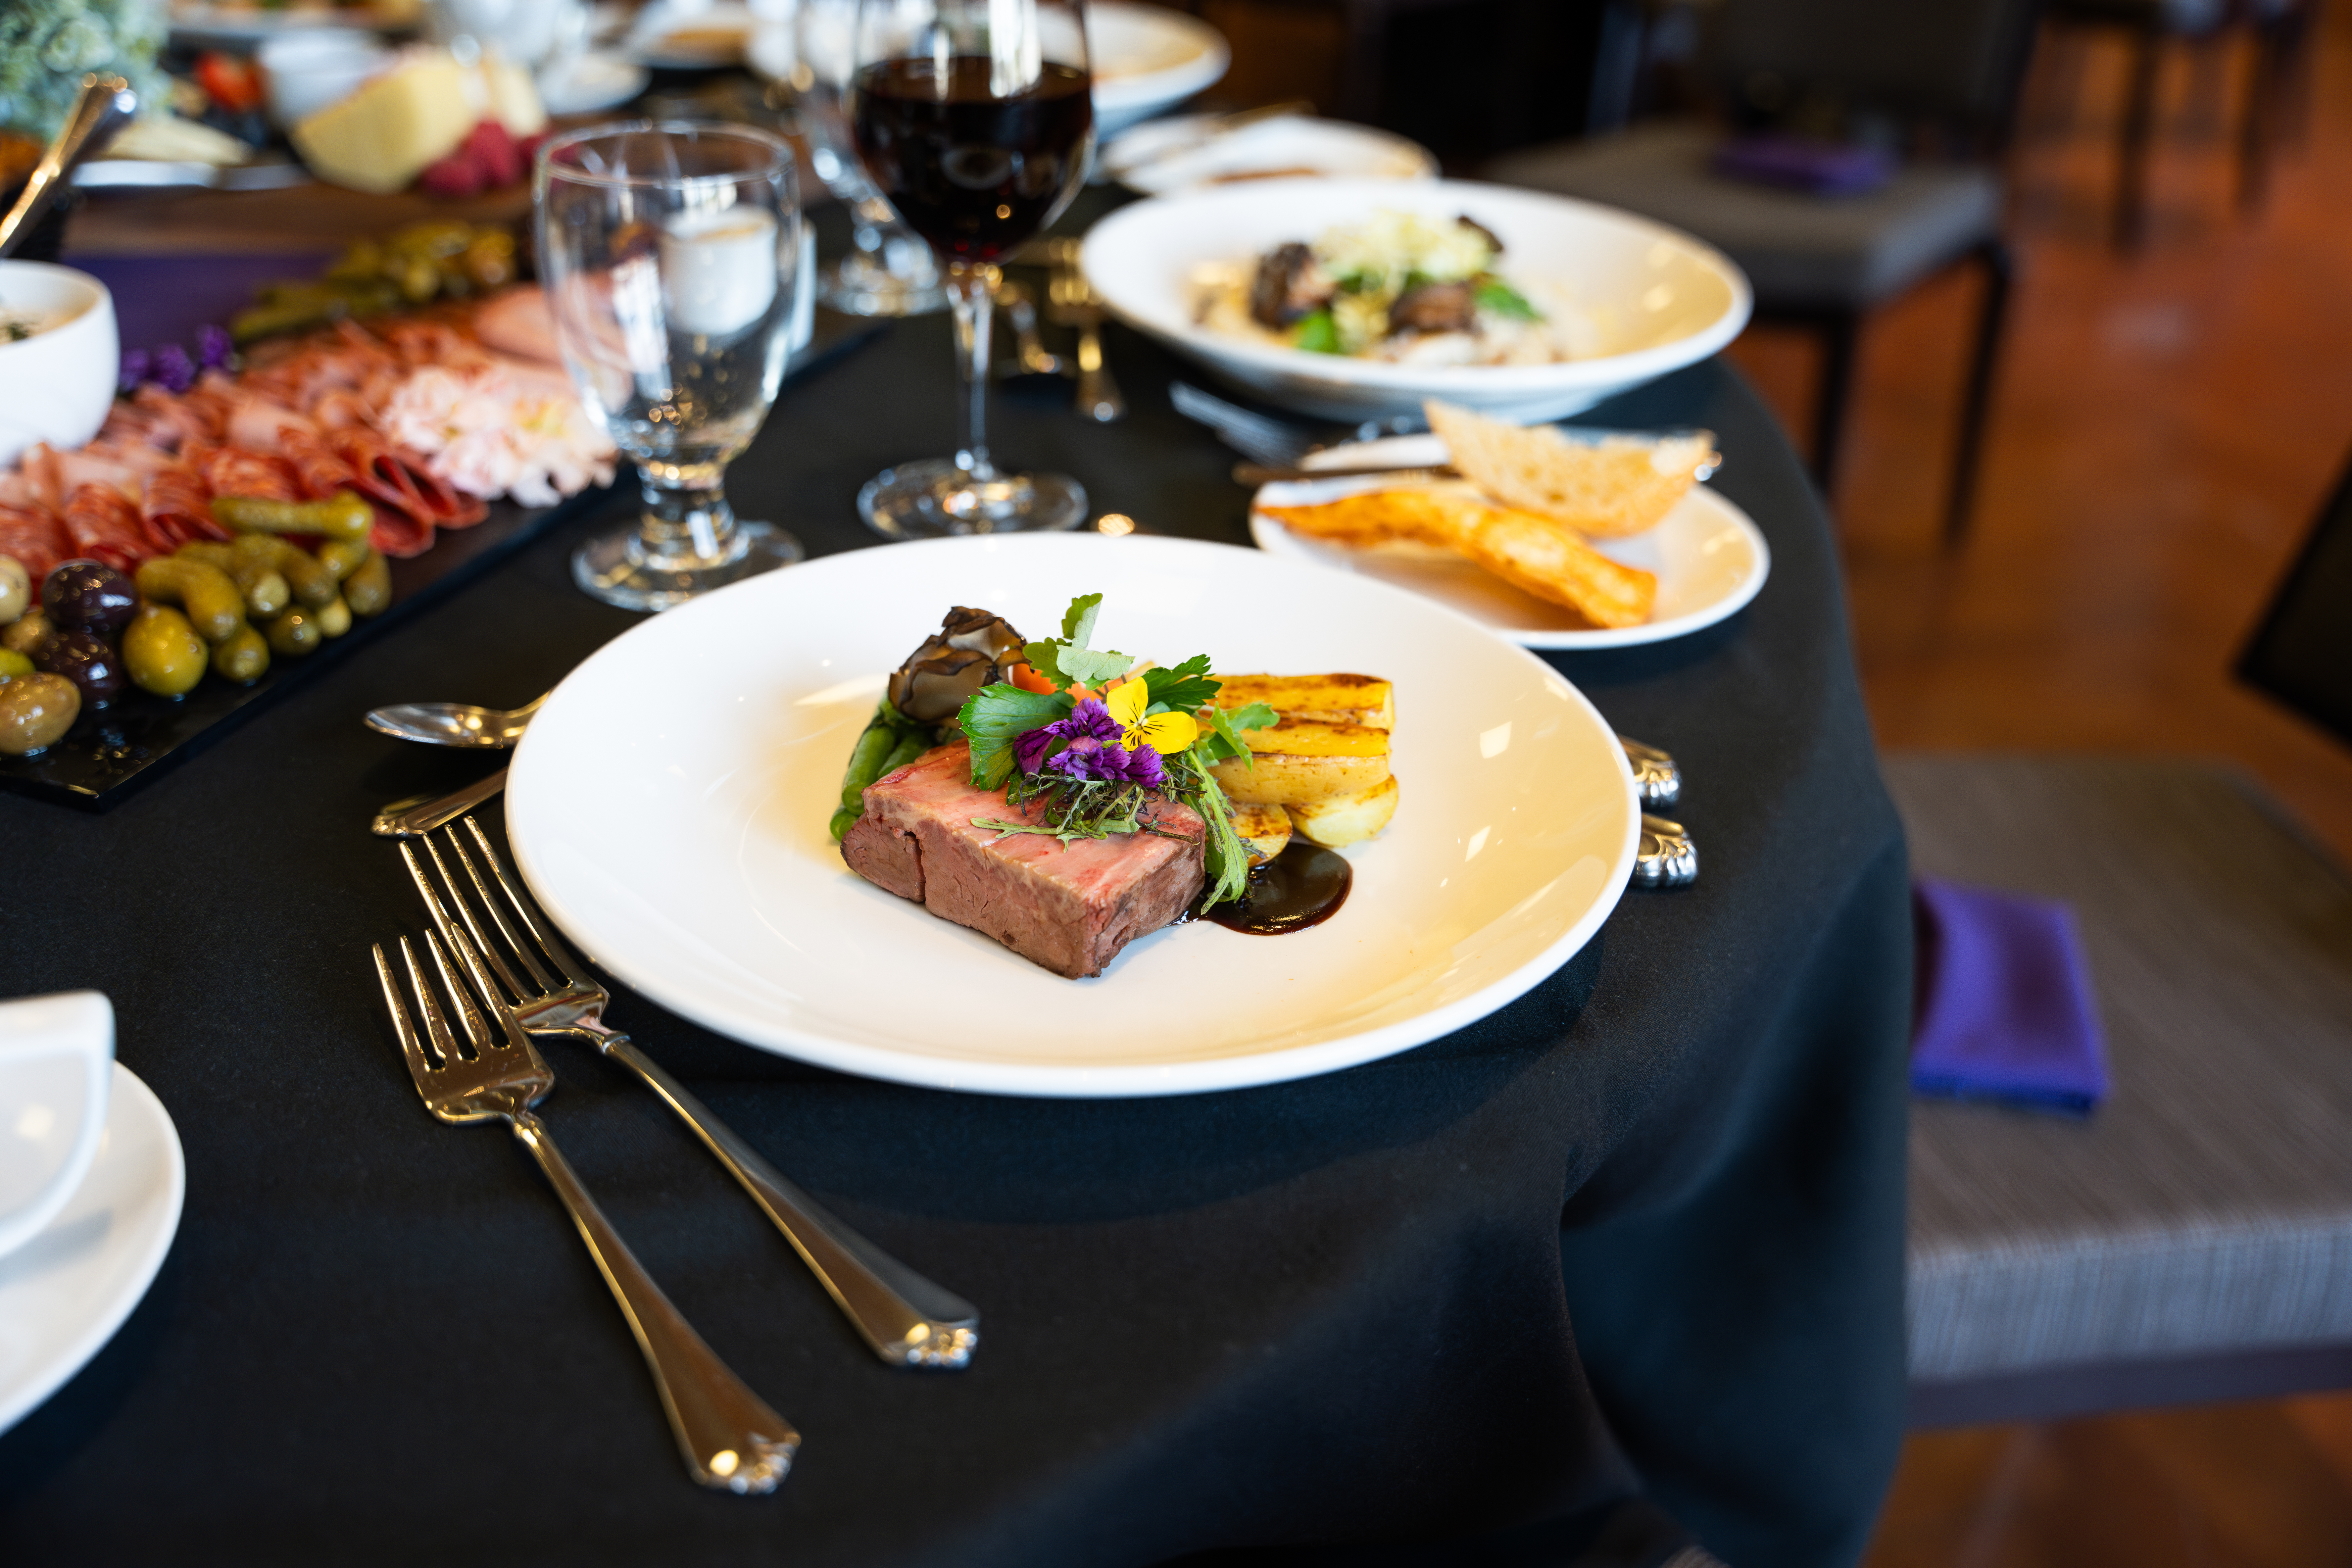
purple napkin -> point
(1801, 163)
(165, 299)
(2006, 1011)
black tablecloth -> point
(1623, 1260)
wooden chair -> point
(1945, 76)
(2193, 1240)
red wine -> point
(972, 173)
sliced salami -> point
(102, 523)
(36, 538)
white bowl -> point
(1659, 299)
(1145, 60)
(302, 73)
(55, 385)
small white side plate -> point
(599, 80)
(1709, 556)
(1164, 155)
(64, 1293)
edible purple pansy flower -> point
(214, 347)
(174, 368)
(1093, 750)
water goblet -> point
(667, 251)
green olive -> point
(343, 515)
(368, 590)
(295, 633)
(213, 605)
(343, 556)
(28, 634)
(335, 616)
(311, 583)
(35, 711)
(15, 589)
(13, 664)
(163, 652)
(243, 657)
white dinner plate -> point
(196, 24)
(692, 36)
(1170, 154)
(64, 1293)
(1146, 58)
(670, 807)
(597, 80)
(1648, 298)
(1709, 556)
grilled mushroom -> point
(1290, 283)
(972, 648)
(1434, 308)
(1482, 231)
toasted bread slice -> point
(1371, 517)
(1615, 487)
(1538, 556)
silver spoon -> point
(103, 107)
(455, 724)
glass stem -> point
(971, 293)
(687, 523)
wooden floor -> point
(2164, 430)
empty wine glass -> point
(974, 121)
(667, 251)
(888, 271)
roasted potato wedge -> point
(1345, 819)
(1303, 760)
(1331, 699)
(1266, 829)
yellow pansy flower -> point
(1163, 732)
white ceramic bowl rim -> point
(83, 294)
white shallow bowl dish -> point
(1145, 60)
(64, 1293)
(1297, 144)
(1709, 556)
(58, 384)
(669, 807)
(1660, 298)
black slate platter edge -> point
(111, 752)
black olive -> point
(90, 662)
(91, 596)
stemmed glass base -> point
(939, 497)
(622, 567)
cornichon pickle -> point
(368, 590)
(343, 515)
(250, 567)
(311, 583)
(296, 633)
(334, 616)
(211, 600)
(163, 652)
(343, 556)
(244, 657)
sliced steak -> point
(1069, 909)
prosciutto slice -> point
(36, 537)
(102, 523)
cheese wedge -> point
(382, 136)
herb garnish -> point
(1087, 759)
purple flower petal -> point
(214, 347)
(174, 368)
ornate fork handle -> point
(908, 1319)
(730, 1438)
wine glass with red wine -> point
(974, 119)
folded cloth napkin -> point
(2005, 1011)
(1799, 163)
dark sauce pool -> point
(1303, 886)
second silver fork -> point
(906, 1319)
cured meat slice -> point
(102, 523)
(320, 472)
(177, 507)
(399, 535)
(36, 537)
(232, 471)
(401, 480)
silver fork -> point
(908, 1319)
(730, 1439)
